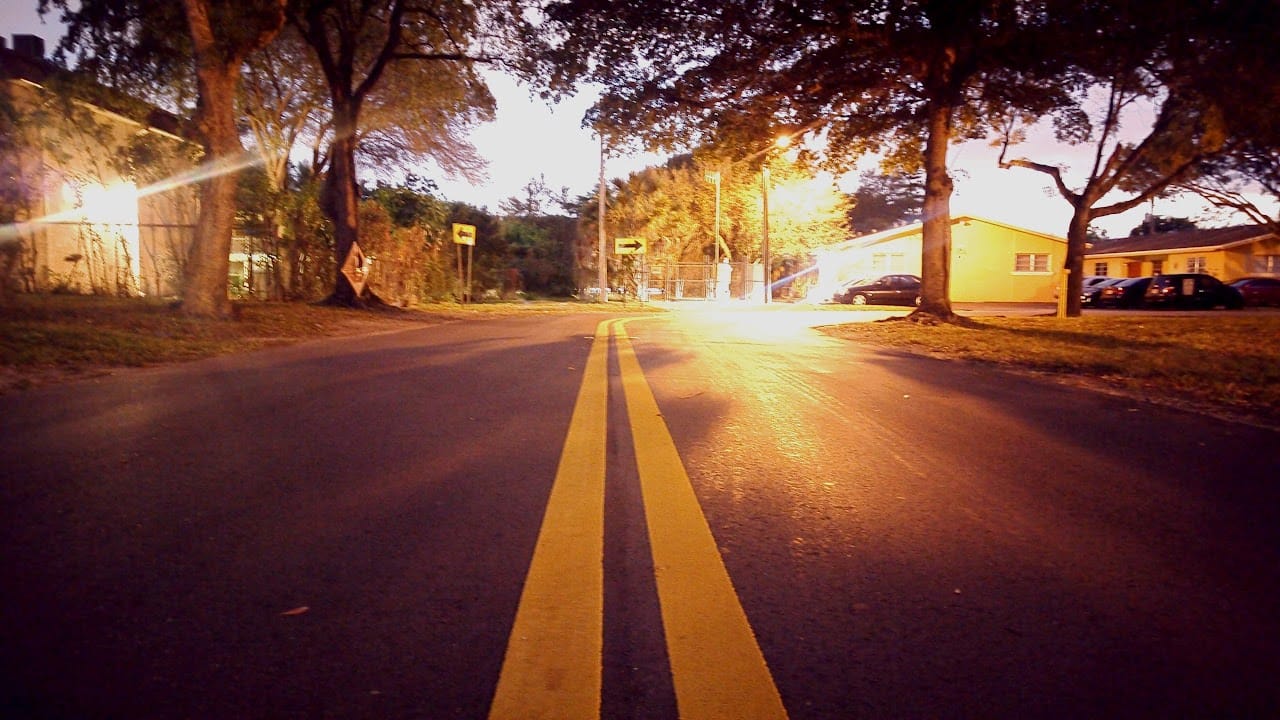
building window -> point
(1197, 265)
(1266, 264)
(1157, 267)
(1031, 263)
(885, 263)
(1100, 268)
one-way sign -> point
(629, 246)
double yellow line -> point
(553, 663)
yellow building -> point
(1225, 253)
(990, 261)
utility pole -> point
(764, 241)
(714, 177)
(602, 259)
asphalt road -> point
(716, 514)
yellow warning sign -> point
(464, 234)
(629, 246)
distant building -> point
(990, 261)
(87, 168)
(1225, 253)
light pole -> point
(779, 143)
(714, 177)
(602, 260)
(764, 240)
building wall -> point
(90, 230)
(983, 263)
(1263, 258)
(1225, 264)
(983, 256)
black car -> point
(1091, 290)
(1259, 290)
(888, 290)
(1191, 290)
(1127, 293)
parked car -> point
(1258, 290)
(1091, 290)
(887, 290)
(1125, 294)
(1191, 290)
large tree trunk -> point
(204, 291)
(935, 259)
(342, 202)
(1077, 241)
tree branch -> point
(1051, 170)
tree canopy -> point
(362, 46)
(884, 200)
(1141, 67)
(901, 78)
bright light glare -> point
(116, 204)
(95, 206)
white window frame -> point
(1037, 263)
(1198, 264)
(1266, 264)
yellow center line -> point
(716, 664)
(553, 665)
(552, 668)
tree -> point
(869, 76)
(241, 29)
(138, 42)
(1235, 66)
(884, 200)
(1136, 60)
(15, 199)
(357, 43)
(1156, 224)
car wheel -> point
(858, 299)
(917, 301)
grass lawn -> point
(1227, 361)
(47, 338)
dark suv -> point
(1191, 290)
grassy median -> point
(1216, 360)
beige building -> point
(991, 261)
(1225, 253)
(94, 200)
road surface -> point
(696, 514)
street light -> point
(779, 143)
(714, 177)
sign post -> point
(464, 235)
(635, 246)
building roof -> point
(916, 228)
(1212, 239)
(40, 71)
(18, 65)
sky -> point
(530, 139)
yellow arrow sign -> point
(629, 246)
(464, 234)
